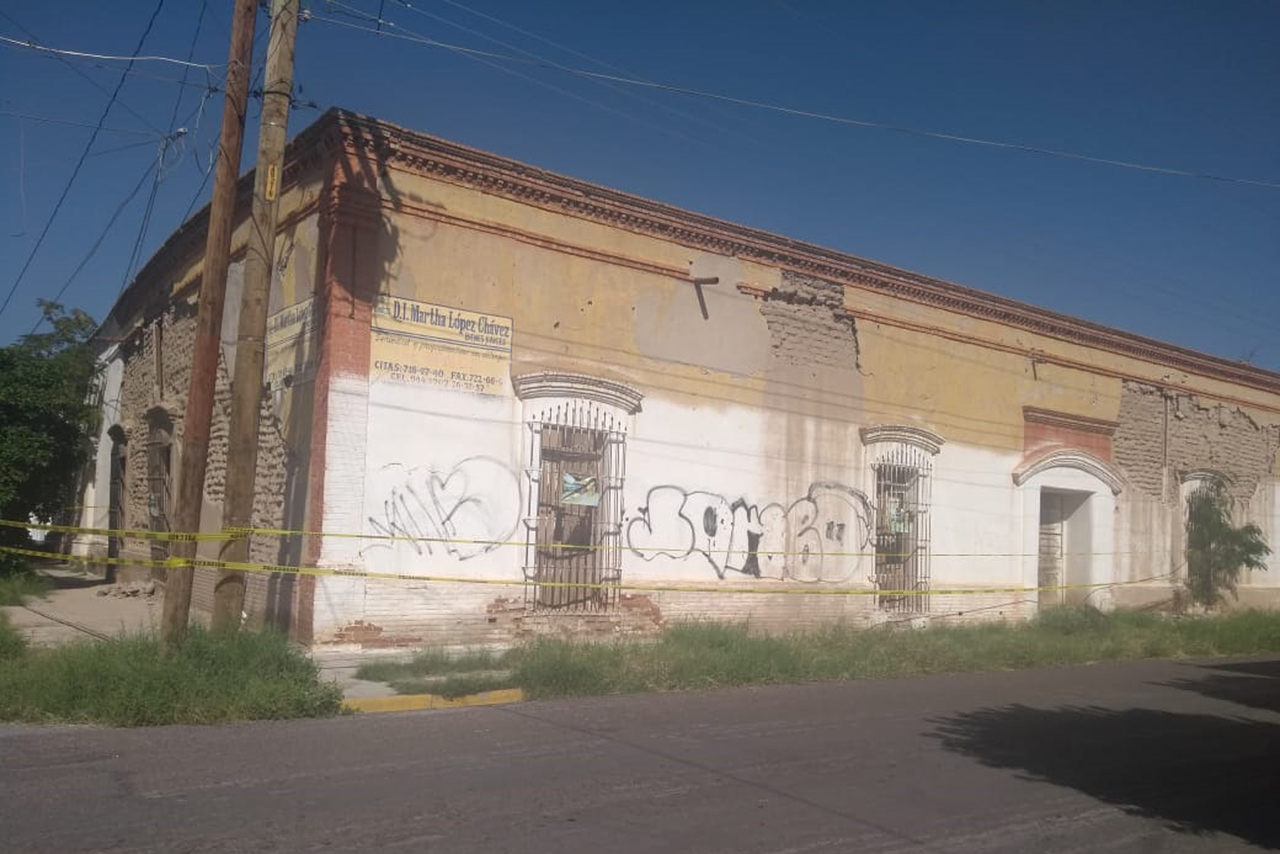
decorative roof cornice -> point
(555, 384)
(916, 437)
(1065, 420)
(448, 161)
(1070, 458)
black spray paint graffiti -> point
(464, 511)
(822, 537)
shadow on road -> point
(1198, 773)
(1249, 683)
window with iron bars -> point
(572, 553)
(902, 485)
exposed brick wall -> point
(807, 324)
(143, 392)
(1218, 437)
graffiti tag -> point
(466, 511)
(818, 538)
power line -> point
(44, 232)
(69, 123)
(114, 218)
(531, 54)
(133, 72)
(30, 45)
(94, 83)
(479, 56)
(408, 35)
(588, 57)
(145, 223)
(215, 153)
(127, 147)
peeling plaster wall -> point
(745, 464)
(154, 367)
(747, 442)
(1164, 431)
(1165, 435)
(807, 324)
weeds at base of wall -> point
(713, 655)
(16, 586)
(127, 682)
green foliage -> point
(428, 663)
(16, 586)
(11, 643)
(457, 685)
(46, 416)
(129, 682)
(714, 655)
(1216, 548)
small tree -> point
(46, 417)
(1216, 549)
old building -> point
(548, 406)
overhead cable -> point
(394, 30)
(44, 232)
(31, 45)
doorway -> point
(116, 500)
(1066, 547)
(159, 487)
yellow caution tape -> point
(805, 588)
(235, 533)
(167, 536)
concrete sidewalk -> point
(74, 610)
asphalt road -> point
(1148, 757)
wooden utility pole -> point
(246, 387)
(213, 292)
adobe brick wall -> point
(807, 325)
(143, 392)
(1215, 436)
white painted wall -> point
(95, 497)
(977, 518)
(703, 483)
(1092, 537)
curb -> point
(418, 702)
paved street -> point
(1133, 757)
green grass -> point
(11, 643)
(16, 586)
(127, 682)
(429, 663)
(458, 685)
(715, 655)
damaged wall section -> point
(156, 376)
(808, 324)
(1160, 430)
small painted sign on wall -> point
(291, 346)
(419, 343)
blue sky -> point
(1186, 85)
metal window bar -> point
(574, 524)
(902, 484)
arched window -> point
(902, 465)
(577, 465)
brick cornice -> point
(500, 176)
